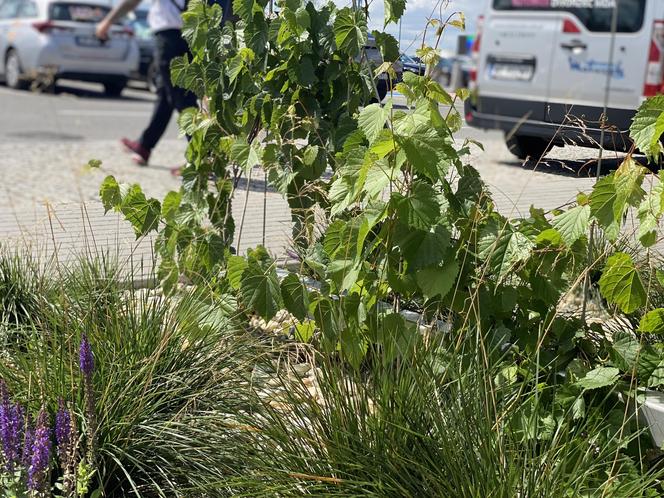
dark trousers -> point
(168, 45)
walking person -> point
(165, 20)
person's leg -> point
(163, 108)
(180, 98)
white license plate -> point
(89, 41)
(514, 72)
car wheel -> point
(381, 86)
(13, 72)
(114, 88)
(524, 147)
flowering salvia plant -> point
(40, 460)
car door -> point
(584, 63)
(514, 68)
(8, 12)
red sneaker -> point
(140, 154)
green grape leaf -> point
(649, 214)
(420, 208)
(245, 154)
(394, 10)
(438, 280)
(141, 212)
(388, 46)
(295, 296)
(503, 247)
(109, 191)
(652, 322)
(234, 269)
(648, 126)
(421, 248)
(572, 224)
(372, 120)
(621, 284)
(599, 377)
(260, 290)
(350, 31)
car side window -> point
(27, 8)
(9, 9)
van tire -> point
(525, 147)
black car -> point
(412, 65)
(147, 71)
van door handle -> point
(574, 46)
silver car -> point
(56, 39)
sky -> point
(415, 18)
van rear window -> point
(594, 14)
(79, 12)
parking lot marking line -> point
(115, 113)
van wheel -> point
(524, 147)
(13, 72)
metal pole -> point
(602, 136)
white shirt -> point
(164, 14)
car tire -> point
(525, 147)
(14, 77)
(381, 86)
(114, 88)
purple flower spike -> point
(41, 453)
(62, 429)
(12, 418)
(85, 357)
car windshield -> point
(78, 12)
(407, 59)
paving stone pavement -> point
(49, 197)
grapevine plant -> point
(389, 215)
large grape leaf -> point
(372, 120)
(599, 377)
(652, 322)
(621, 284)
(648, 126)
(649, 213)
(420, 208)
(438, 280)
(602, 201)
(350, 31)
(503, 247)
(260, 289)
(295, 296)
(572, 224)
(394, 10)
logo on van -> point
(598, 67)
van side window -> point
(9, 9)
(596, 18)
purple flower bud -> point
(12, 418)
(62, 429)
(85, 357)
(41, 454)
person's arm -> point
(118, 12)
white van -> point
(542, 68)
